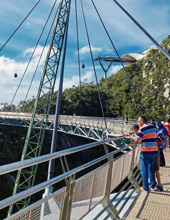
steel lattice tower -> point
(34, 139)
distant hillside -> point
(151, 78)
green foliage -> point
(149, 77)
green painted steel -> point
(34, 140)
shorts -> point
(157, 162)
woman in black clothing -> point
(162, 134)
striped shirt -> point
(147, 135)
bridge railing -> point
(113, 124)
(81, 195)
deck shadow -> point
(142, 206)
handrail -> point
(24, 114)
(24, 210)
(113, 124)
(33, 161)
(128, 162)
(6, 202)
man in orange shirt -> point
(149, 150)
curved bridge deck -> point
(155, 205)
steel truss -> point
(35, 137)
(86, 128)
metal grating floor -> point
(155, 205)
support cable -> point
(78, 54)
(142, 106)
(20, 25)
(33, 53)
(144, 31)
(40, 57)
(78, 45)
(97, 83)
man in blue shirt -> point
(149, 150)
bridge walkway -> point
(154, 205)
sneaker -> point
(143, 190)
(152, 188)
(158, 189)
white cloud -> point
(28, 24)
(37, 53)
(154, 16)
(8, 83)
(74, 80)
(86, 49)
(108, 50)
(96, 67)
(114, 69)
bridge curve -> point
(87, 127)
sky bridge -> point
(89, 127)
(93, 194)
(105, 192)
(106, 185)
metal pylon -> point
(105, 70)
(34, 139)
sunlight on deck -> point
(155, 205)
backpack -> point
(159, 142)
(168, 128)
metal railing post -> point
(106, 201)
(29, 215)
(66, 215)
(131, 178)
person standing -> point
(149, 150)
(126, 120)
(167, 125)
(159, 186)
(162, 134)
(135, 129)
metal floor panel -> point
(155, 205)
(92, 215)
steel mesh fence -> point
(23, 217)
(117, 172)
(49, 209)
(126, 165)
(81, 202)
(89, 191)
(99, 185)
(137, 156)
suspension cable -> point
(33, 52)
(78, 53)
(94, 68)
(20, 25)
(144, 31)
(142, 106)
(78, 45)
(40, 57)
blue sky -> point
(153, 15)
